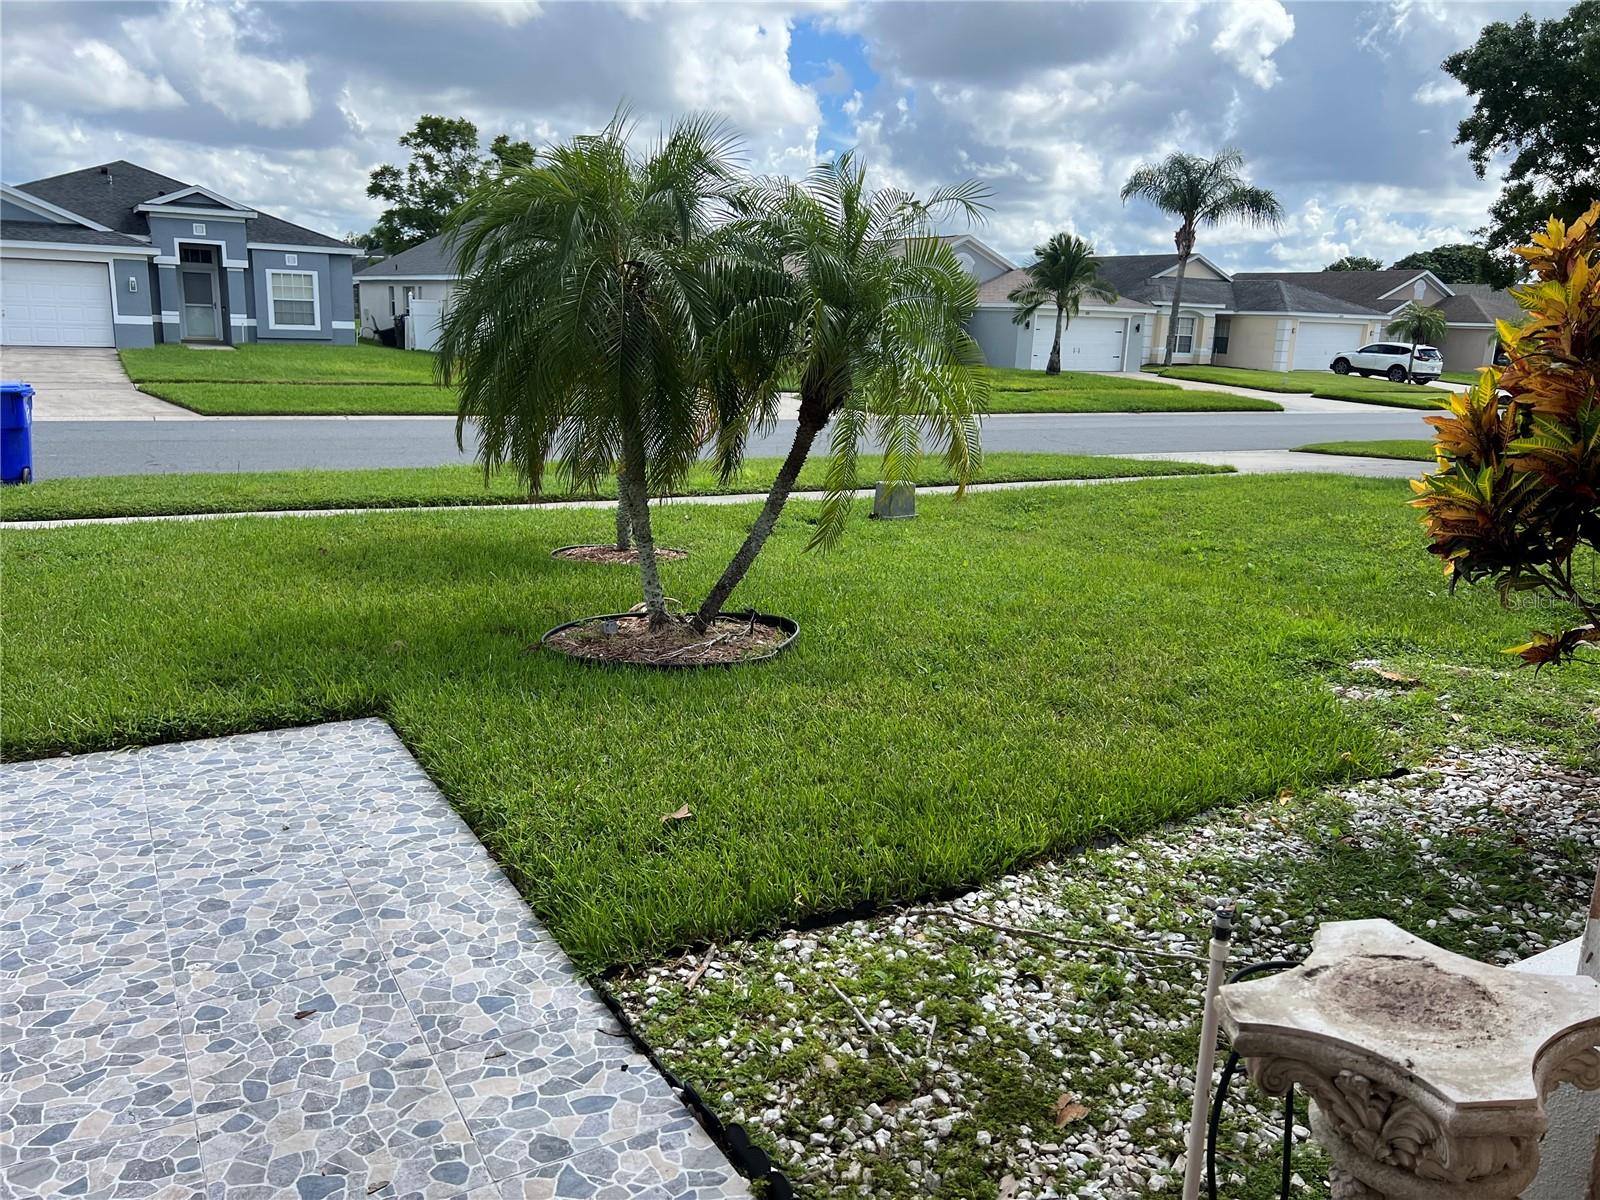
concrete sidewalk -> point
(79, 384)
(1293, 402)
(1244, 462)
(1292, 462)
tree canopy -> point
(1460, 262)
(578, 335)
(446, 164)
(1355, 262)
(1199, 191)
(1535, 87)
(1063, 273)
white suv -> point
(1392, 359)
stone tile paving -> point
(279, 965)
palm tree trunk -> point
(1411, 362)
(631, 482)
(1053, 367)
(624, 505)
(1177, 300)
(804, 435)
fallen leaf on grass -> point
(682, 814)
(1068, 1110)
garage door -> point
(44, 303)
(1319, 342)
(1087, 343)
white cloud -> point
(736, 62)
(1252, 30)
(1443, 91)
(201, 46)
(511, 13)
(91, 76)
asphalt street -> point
(63, 448)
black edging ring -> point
(787, 625)
(557, 552)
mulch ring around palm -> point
(627, 639)
(611, 556)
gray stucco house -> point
(117, 255)
(386, 288)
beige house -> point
(1262, 320)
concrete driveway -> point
(81, 384)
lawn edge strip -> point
(599, 502)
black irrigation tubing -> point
(749, 1159)
(1243, 973)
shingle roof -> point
(75, 235)
(1138, 280)
(1364, 288)
(432, 257)
(1255, 294)
(107, 194)
(995, 291)
(1480, 304)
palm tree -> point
(1063, 272)
(1420, 324)
(847, 290)
(576, 332)
(1199, 191)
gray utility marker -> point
(896, 501)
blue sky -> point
(1340, 106)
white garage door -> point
(1087, 343)
(47, 303)
(1319, 342)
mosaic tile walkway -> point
(279, 965)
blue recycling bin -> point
(16, 433)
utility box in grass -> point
(895, 501)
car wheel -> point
(1396, 373)
(1341, 366)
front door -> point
(200, 316)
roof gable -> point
(111, 195)
(1216, 271)
(198, 197)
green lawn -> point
(1013, 390)
(1323, 384)
(411, 487)
(367, 380)
(1467, 377)
(1413, 449)
(1003, 677)
(257, 362)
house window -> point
(1185, 335)
(1219, 335)
(391, 300)
(194, 254)
(1419, 289)
(199, 229)
(293, 296)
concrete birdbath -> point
(1426, 1070)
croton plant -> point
(1516, 497)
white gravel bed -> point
(973, 1062)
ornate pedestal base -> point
(1426, 1070)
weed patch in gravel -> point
(926, 1056)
